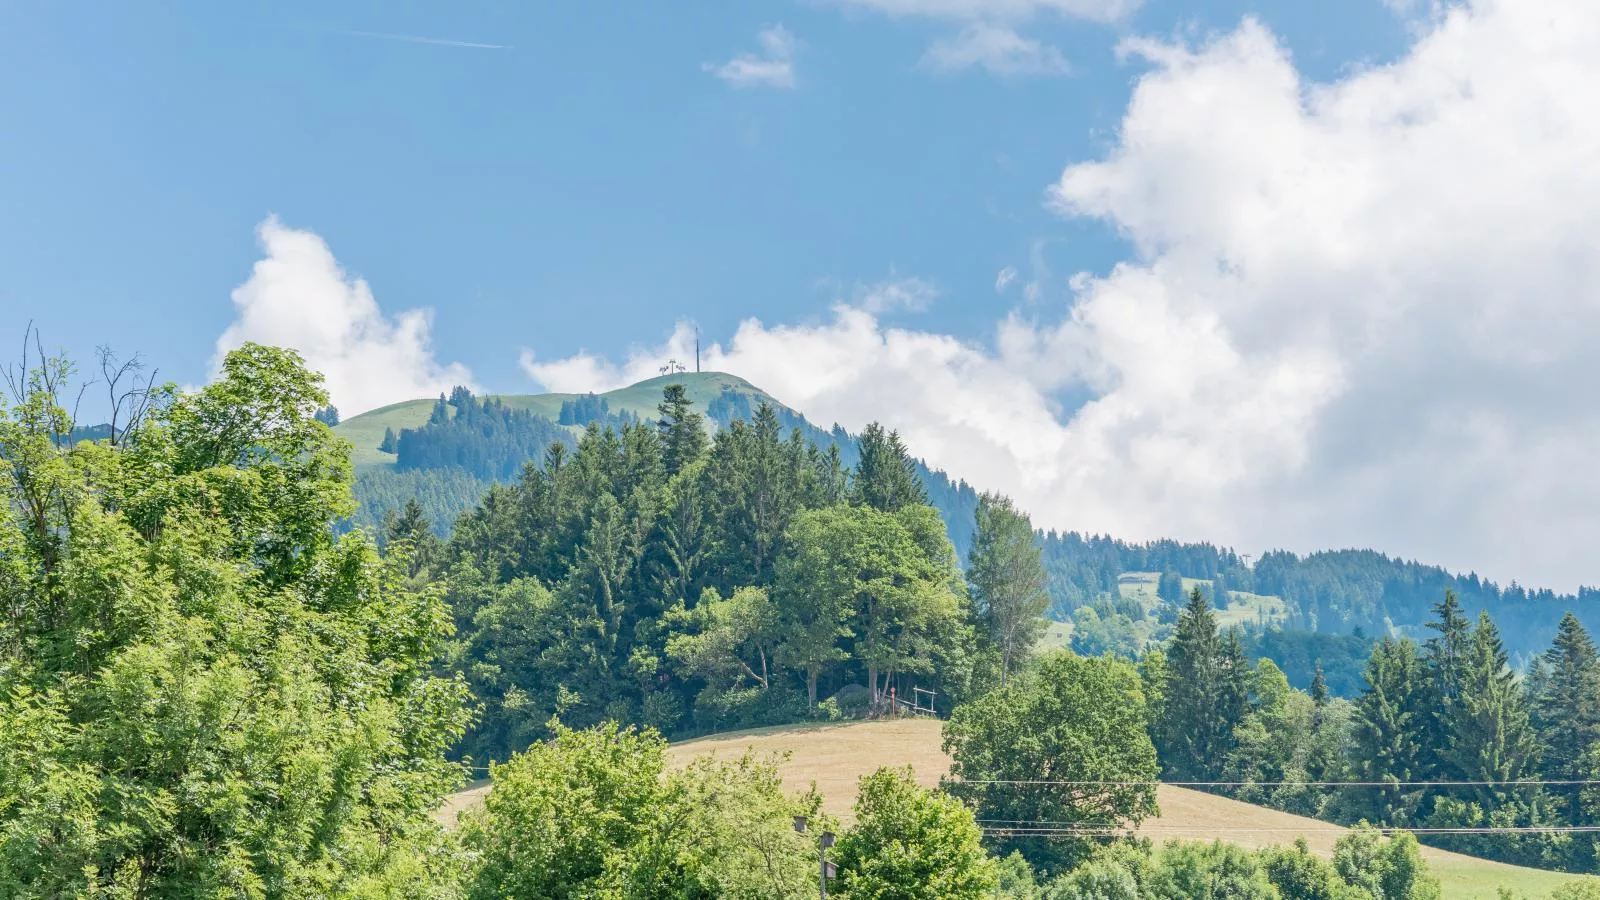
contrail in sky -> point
(414, 39)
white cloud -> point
(1361, 313)
(997, 48)
(1001, 10)
(1003, 279)
(772, 67)
(895, 294)
(298, 296)
(988, 38)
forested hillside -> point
(446, 451)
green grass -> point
(1057, 636)
(365, 431)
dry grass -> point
(833, 757)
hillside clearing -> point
(834, 756)
(365, 430)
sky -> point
(1270, 274)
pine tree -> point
(1446, 656)
(1567, 703)
(886, 477)
(1488, 733)
(1319, 688)
(389, 445)
(1392, 724)
(683, 436)
(1205, 698)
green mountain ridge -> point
(366, 430)
(1335, 592)
(382, 485)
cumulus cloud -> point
(772, 67)
(1358, 313)
(299, 296)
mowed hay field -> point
(835, 756)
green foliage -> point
(1206, 695)
(1193, 871)
(1007, 580)
(909, 842)
(1365, 867)
(1390, 869)
(1077, 720)
(1285, 740)
(886, 477)
(202, 691)
(650, 577)
(594, 813)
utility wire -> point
(1335, 784)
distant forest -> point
(471, 442)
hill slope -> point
(835, 756)
(381, 484)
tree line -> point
(690, 582)
(1443, 734)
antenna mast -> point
(697, 349)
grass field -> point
(834, 756)
(366, 430)
(1243, 608)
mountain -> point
(449, 469)
(448, 450)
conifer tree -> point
(1319, 688)
(1489, 736)
(1567, 704)
(886, 477)
(683, 436)
(1205, 697)
(1446, 656)
(1392, 723)
(389, 444)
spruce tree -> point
(389, 444)
(1203, 701)
(1319, 688)
(1489, 736)
(1567, 706)
(1391, 728)
(886, 477)
(1447, 662)
(683, 436)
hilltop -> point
(385, 481)
(366, 430)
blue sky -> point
(1280, 274)
(582, 188)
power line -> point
(1181, 830)
(1334, 784)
